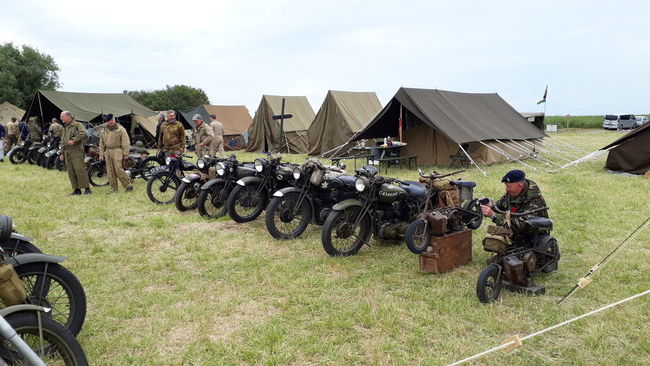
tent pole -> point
(40, 108)
(506, 154)
(472, 160)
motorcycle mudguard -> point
(32, 258)
(20, 237)
(281, 192)
(248, 180)
(345, 204)
(22, 307)
(190, 178)
(212, 182)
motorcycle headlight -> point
(168, 160)
(297, 172)
(360, 184)
(200, 163)
(259, 165)
(221, 168)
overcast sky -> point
(593, 55)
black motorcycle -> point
(214, 193)
(384, 209)
(48, 159)
(165, 180)
(18, 154)
(187, 194)
(252, 194)
(316, 190)
(138, 167)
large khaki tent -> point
(235, 119)
(630, 153)
(341, 115)
(89, 107)
(437, 122)
(7, 111)
(264, 133)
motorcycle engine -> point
(393, 230)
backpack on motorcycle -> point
(497, 239)
(12, 291)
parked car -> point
(641, 120)
(619, 121)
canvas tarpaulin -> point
(264, 132)
(7, 111)
(341, 115)
(630, 153)
(455, 118)
(235, 119)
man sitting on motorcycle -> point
(521, 195)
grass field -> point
(167, 288)
(575, 121)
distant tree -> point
(172, 97)
(23, 72)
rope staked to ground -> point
(515, 342)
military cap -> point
(108, 117)
(513, 176)
(32, 119)
(139, 144)
(197, 117)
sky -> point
(594, 56)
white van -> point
(619, 121)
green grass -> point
(575, 121)
(166, 287)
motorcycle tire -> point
(50, 163)
(212, 201)
(58, 346)
(161, 187)
(18, 156)
(42, 160)
(13, 247)
(186, 197)
(53, 286)
(338, 236)
(475, 222)
(148, 164)
(32, 157)
(281, 222)
(60, 165)
(488, 286)
(246, 203)
(418, 236)
(97, 176)
(547, 262)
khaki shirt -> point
(13, 129)
(74, 131)
(35, 132)
(115, 138)
(56, 130)
(203, 135)
(217, 128)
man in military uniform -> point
(203, 136)
(114, 147)
(13, 133)
(56, 130)
(217, 142)
(72, 143)
(3, 137)
(521, 195)
(35, 131)
(172, 136)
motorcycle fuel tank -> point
(389, 193)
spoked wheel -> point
(340, 237)
(51, 341)
(32, 156)
(285, 219)
(161, 188)
(246, 203)
(488, 286)
(212, 201)
(187, 195)
(52, 286)
(548, 262)
(476, 219)
(97, 176)
(418, 236)
(18, 156)
(148, 165)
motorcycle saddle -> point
(370, 169)
(463, 183)
(414, 188)
(540, 222)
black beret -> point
(108, 117)
(513, 176)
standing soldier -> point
(203, 137)
(217, 142)
(72, 142)
(13, 133)
(35, 131)
(56, 130)
(172, 136)
(114, 148)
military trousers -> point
(11, 141)
(77, 171)
(217, 146)
(113, 159)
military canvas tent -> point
(235, 119)
(8, 110)
(537, 119)
(437, 122)
(341, 115)
(630, 153)
(264, 132)
(89, 107)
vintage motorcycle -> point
(252, 194)
(517, 259)
(18, 154)
(317, 188)
(165, 180)
(214, 193)
(50, 154)
(438, 218)
(137, 167)
(384, 209)
(187, 194)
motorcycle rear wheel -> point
(340, 238)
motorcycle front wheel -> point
(418, 236)
(51, 341)
(14, 247)
(161, 188)
(147, 165)
(246, 203)
(488, 286)
(340, 238)
(18, 155)
(212, 201)
(32, 157)
(187, 195)
(97, 176)
(284, 219)
(50, 163)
